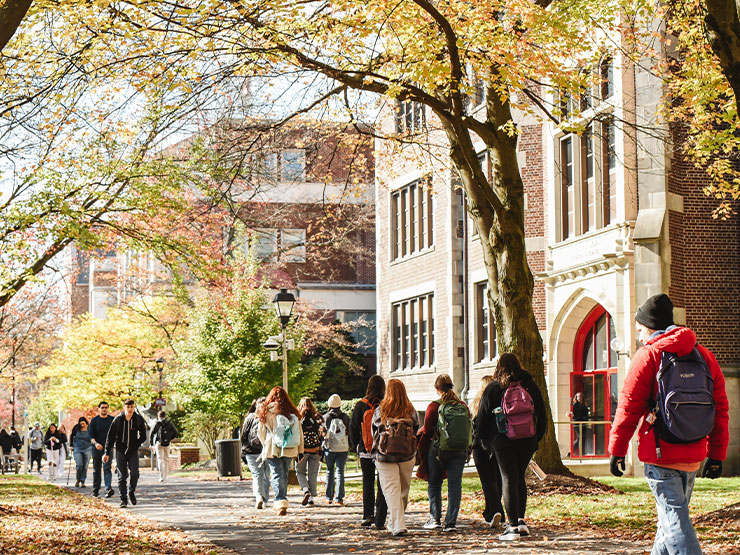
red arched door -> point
(594, 376)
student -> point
(336, 449)
(512, 453)
(445, 442)
(99, 427)
(54, 450)
(374, 511)
(64, 455)
(163, 433)
(307, 469)
(36, 444)
(282, 441)
(671, 467)
(485, 463)
(251, 451)
(127, 433)
(395, 424)
(81, 450)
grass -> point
(39, 518)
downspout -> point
(466, 339)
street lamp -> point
(284, 302)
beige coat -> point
(269, 449)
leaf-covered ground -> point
(39, 518)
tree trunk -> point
(722, 29)
(12, 13)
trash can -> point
(228, 457)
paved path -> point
(223, 513)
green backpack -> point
(454, 427)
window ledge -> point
(408, 257)
(414, 371)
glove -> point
(614, 464)
(712, 469)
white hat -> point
(335, 401)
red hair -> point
(396, 403)
(284, 405)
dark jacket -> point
(58, 444)
(639, 392)
(355, 427)
(126, 435)
(157, 432)
(486, 427)
(99, 428)
(251, 421)
(6, 444)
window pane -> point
(600, 343)
(431, 329)
(423, 348)
(430, 217)
(567, 196)
(607, 78)
(404, 222)
(612, 335)
(294, 165)
(395, 226)
(588, 351)
(413, 311)
(398, 347)
(406, 335)
(293, 245)
(412, 219)
(266, 239)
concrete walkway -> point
(223, 513)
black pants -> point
(36, 456)
(490, 481)
(127, 466)
(372, 507)
(513, 463)
(100, 467)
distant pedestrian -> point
(65, 451)
(512, 433)
(579, 412)
(36, 445)
(15, 440)
(80, 439)
(675, 437)
(445, 444)
(336, 449)
(374, 511)
(54, 450)
(99, 427)
(395, 424)
(251, 451)
(163, 433)
(282, 441)
(127, 433)
(307, 468)
(486, 465)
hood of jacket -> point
(678, 340)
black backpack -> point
(167, 433)
(311, 432)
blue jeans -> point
(454, 463)
(308, 472)
(279, 467)
(335, 473)
(98, 464)
(260, 477)
(672, 490)
(82, 459)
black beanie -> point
(656, 313)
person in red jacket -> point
(670, 471)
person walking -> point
(394, 426)
(54, 450)
(444, 443)
(486, 465)
(64, 455)
(36, 445)
(674, 438)
(6, 446)
(80, 440)
(99, 427)
(127, 433)
(307, 469)
(282, 441)
(336, 449)
(251, 450)
(163, 433)
(579, 412)
(374, 510)
(512, 433)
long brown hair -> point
(443, 383)
(396, 402)
(508, 365)
(375, 389)
(284, 405)
(484, 381)
(307, 408)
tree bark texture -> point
(722, 28)
(12, 13)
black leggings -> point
(490, 481)
(513, 463)
(372, 507)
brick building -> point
(613, 216)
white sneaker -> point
(160, 479)
(523, 528)
(495, 521)
(432, 524)
(511, 534)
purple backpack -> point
(685, 401)
(518, 407)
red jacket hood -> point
(679, 341)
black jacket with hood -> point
(126, 435)
(486, 429)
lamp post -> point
(159, 366)
(284, 302)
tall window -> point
(411, 219)
(588, 182)
(609, 174)
(284, 245)
(485, 328)
(606, 72)
(413, 333)
(409, 117)
(567, 195)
